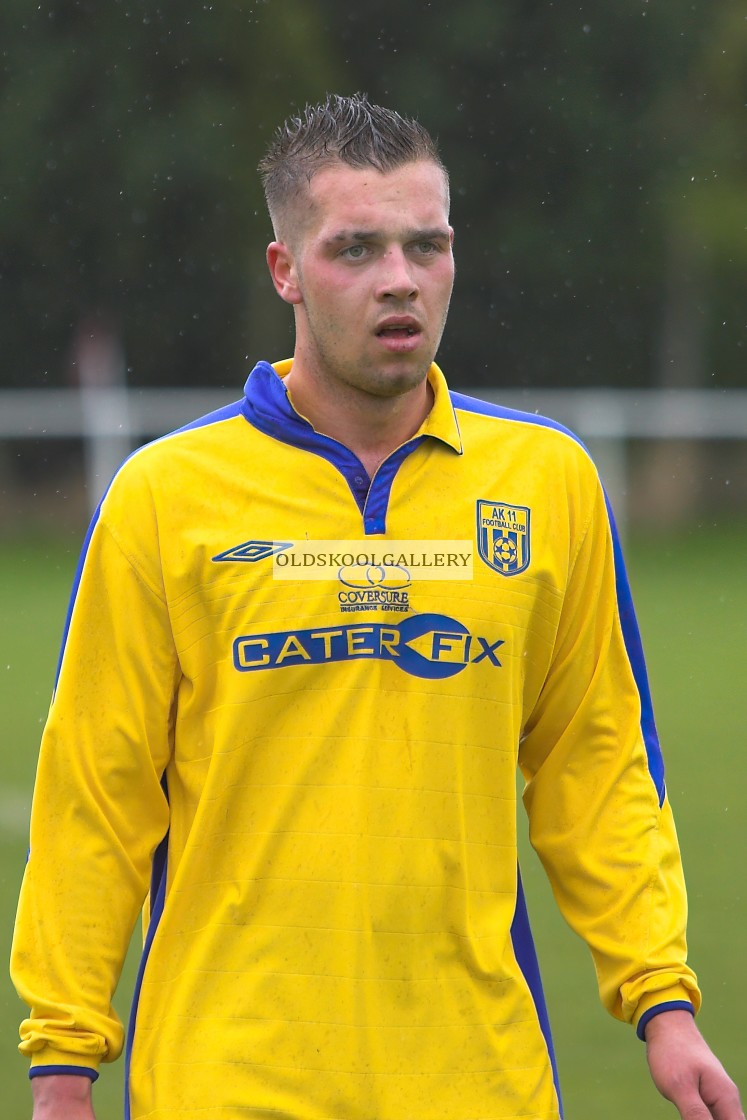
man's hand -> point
(61, 1096)
(686, 1071)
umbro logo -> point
(251, 551)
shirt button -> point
(359, 480)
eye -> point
(425, 248)
(354, 252)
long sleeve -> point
(99, 810)
(599, 816)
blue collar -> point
(267, 407)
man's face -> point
(373, 271)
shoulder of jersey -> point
(536, 425)
(200, 430)
(159, 459)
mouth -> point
(399, 338)
(396, 332)
(398, 329)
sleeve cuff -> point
(647, 1016)
(47, 1060)
(74, 1071)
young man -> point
(317, 775)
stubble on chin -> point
(386, 381)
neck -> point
(371, 426)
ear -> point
(283, 271)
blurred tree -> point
(702, 123)
(589, 147)
(551, 122)
(130, 137)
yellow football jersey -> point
(308, 751)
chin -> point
(396, 380)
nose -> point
(397, 279)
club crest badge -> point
(503, 536)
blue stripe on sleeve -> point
(74, 591)
(634, 647)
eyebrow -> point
(438, 233)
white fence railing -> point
(111, 421)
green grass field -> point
(691, 594)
